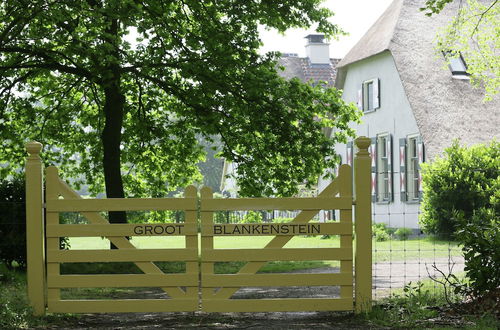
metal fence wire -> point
(406, 255)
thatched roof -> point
(444, 108)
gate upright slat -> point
(345, 190)
(53, 244)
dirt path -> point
(386, 276)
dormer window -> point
(457, 65)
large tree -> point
(118, 90)
(475, 33)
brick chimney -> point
(317, 50)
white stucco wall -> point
(395, 117)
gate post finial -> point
(363, 226)
(34, 148)
(35, 256)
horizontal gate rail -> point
(276, 229)
(303, 203)
(122, 255)
(283, 254)
(121, 204)
(122, 280)
(277, 305)
(123, 305)
(90, 230)
(239, 280)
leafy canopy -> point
(182, 69)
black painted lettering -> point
(138, 230)
(236, 230)
(148, 229)
(245, 229)
(275, 229)
(302, 229)
(180, 227)
(170, 229)
(316, 229)
(265, 229)
(217, 229)
(285, 229)
(255, 229)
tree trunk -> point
(111, 140)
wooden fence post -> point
(363, 226)
(35, 236)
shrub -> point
(403, 233)
(380, 232)
(480, 239)
(12, 223)
(252, 217)
(462, 181)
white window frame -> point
(383, 171)
(412, 169)
(368, 100)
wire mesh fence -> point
(403, 254)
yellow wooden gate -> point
(45, 280)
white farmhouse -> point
(414, 105)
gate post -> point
(363, 226)
(35, 249)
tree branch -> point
(50, 63)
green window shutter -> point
(389, 163)
(402, 169)
(373, 153)
(376, 93)
(421, 159)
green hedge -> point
(464, 180)
(462, 200)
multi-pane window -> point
(383, 170)
(412, 169)
(368, 97)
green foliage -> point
(252, 217)
(434, 6)
(474, 34)
(136, 83)
(479, 236)
(12, 223)
(464, 180)
(380, 232)
(403, 233)
(14, 310)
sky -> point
(353, 16)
